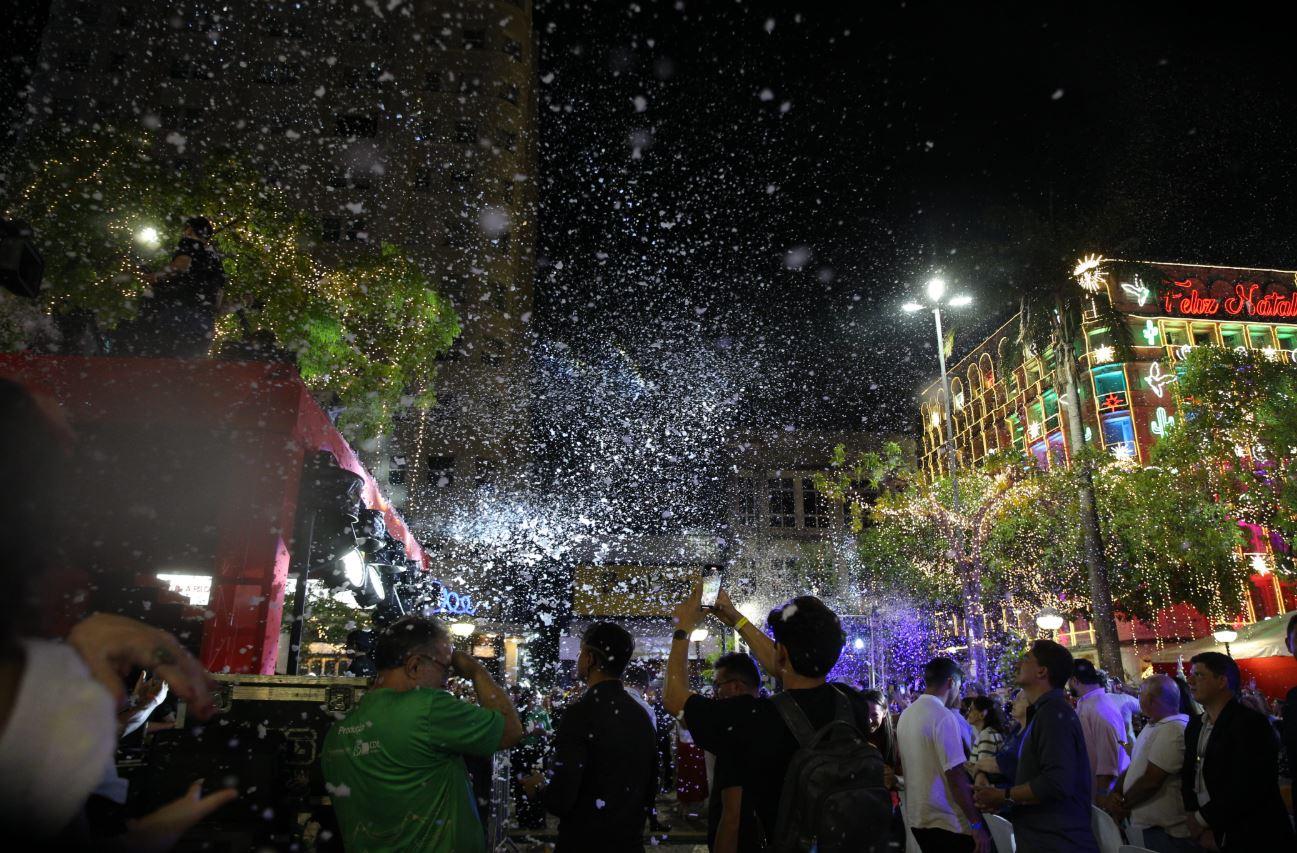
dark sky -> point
(878, 142)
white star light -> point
(1123, 453)
(1087, 273)
(1104, 354)
(1260, 564)
(1033, 430)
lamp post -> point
(1049, 620)
(936, 296)
(1225, 634)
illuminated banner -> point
(1192, 297)
(455, 603)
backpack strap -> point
(794, 718)
(843, 712)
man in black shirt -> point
(178, 319)
(603, 780)
(730, 822)
(807, 643)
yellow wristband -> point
(743, 620)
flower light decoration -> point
(1088, 274)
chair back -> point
(1001, 833)
(1105, 829)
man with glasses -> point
(728, 822)
(394, 767)
(1052, 788)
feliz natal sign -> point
(1191, 298)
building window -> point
(356, 232)
(117, 62)
(76, 61)
(441, 471)
(466, 132)
(183, 69)
(1259, 337)
(783, 502)
(503, 242)
(276, 73)
(1119, 431)
(346, 179)
(358, 126)
(815, 508)
(1231, 335)
(396, 474)
(432, 81)
(331, 229)
(513, 49)
(747, 503)
(1204, 334)
(1109, 379)
(127, 15)
(422, 179)
(371, 76)
(469, 86)
(474, 39)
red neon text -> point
(1246, 299)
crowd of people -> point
(784, 758)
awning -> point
(1265, 639)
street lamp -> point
(1049, 619)
(1225, 635)
(148, 236)
(935, 291)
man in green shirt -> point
(394, 766)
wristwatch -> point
(680, 634)
(1008, 798)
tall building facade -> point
(1001, 402)
(411, 123)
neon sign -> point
(456, 603)
(1187, 297)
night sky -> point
(779, 182)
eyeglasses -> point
(719, 684)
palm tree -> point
(1052, 309)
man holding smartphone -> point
(394, 766)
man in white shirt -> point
(1149, 791)
(1103, 727)
(938, 794)
(1128, 702)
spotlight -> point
(371, 531)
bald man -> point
(1149, 790)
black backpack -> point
(833, 797)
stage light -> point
(1049, 619)
(462, 629)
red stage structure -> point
(197, 465)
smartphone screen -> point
(711, 588)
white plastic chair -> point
(1105, 831)
(1001, 833)
(1131, 848)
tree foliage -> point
(1236, 434)
(368, 326)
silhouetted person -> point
(178, 319)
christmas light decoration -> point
(1157, 380)
(1104, 354)
(1150, 332)
(1087, 273)
(1137, 291)
(1161, 423)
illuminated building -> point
(1002, 402)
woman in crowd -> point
(987, 719)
